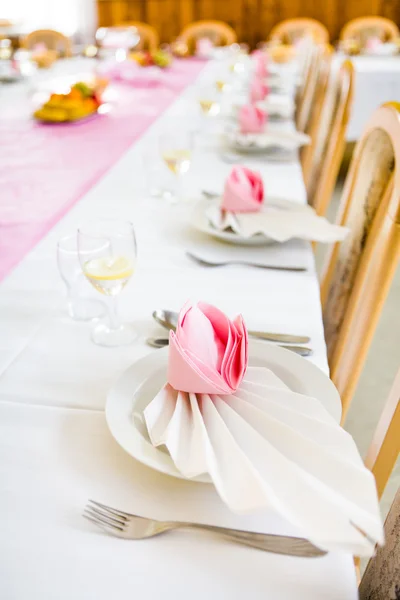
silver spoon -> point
(207, 263)
(169, 320)
(162, 342)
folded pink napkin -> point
(373, 43)
(208, 354)
(204, 47)
(261, 63)
(243, 192)
(258, 90)
(251, 119)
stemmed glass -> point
(107, 253)
(209, 101)
(176, 149)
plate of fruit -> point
(82, 102)
(158, 58)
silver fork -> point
(207, 263)
(133, 527)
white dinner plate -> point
(135, 389)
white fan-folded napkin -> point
(262, 444)
(278, 105)
(267, 139)
(280, 221)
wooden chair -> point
(365, 27)
(149, 38)
(321, 160)
(381, 577)
(292, 30)
(220, 33)
(382, 573)
(53, 40)
(359, 270)
(385, 447)
(318, 64)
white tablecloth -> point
(377, 81)
(55, 448)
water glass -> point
(80, 307)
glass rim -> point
(85, 228)
(66, 238)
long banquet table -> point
(55, 448)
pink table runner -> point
(46, 169)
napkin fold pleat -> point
(206, 351)
(187, 372)
(258, 90)
(159, 413)
(268, 447)
(230, 469)
(313, 447)
(303, 500)
(277, 224)
(252, 119)
(243, 192)
(250, 136)
(261, 63)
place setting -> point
(213, 394)
(244, 215)
(254, 135)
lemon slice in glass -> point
(107, 269)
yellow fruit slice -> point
(107, 269)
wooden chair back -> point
(381, 580)
(359, 270)
(366, 27)
(382, 574)
(220, 33)
(385, 446)
(53, 40)
(380, 577)
(317, 66)
(290, 31)
(321, 160)
(149, 38)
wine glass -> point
(176, 149)
(107, 254)
(80, 308)
(209, 100)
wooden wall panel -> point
(251, 19)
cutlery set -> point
(169, 319)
